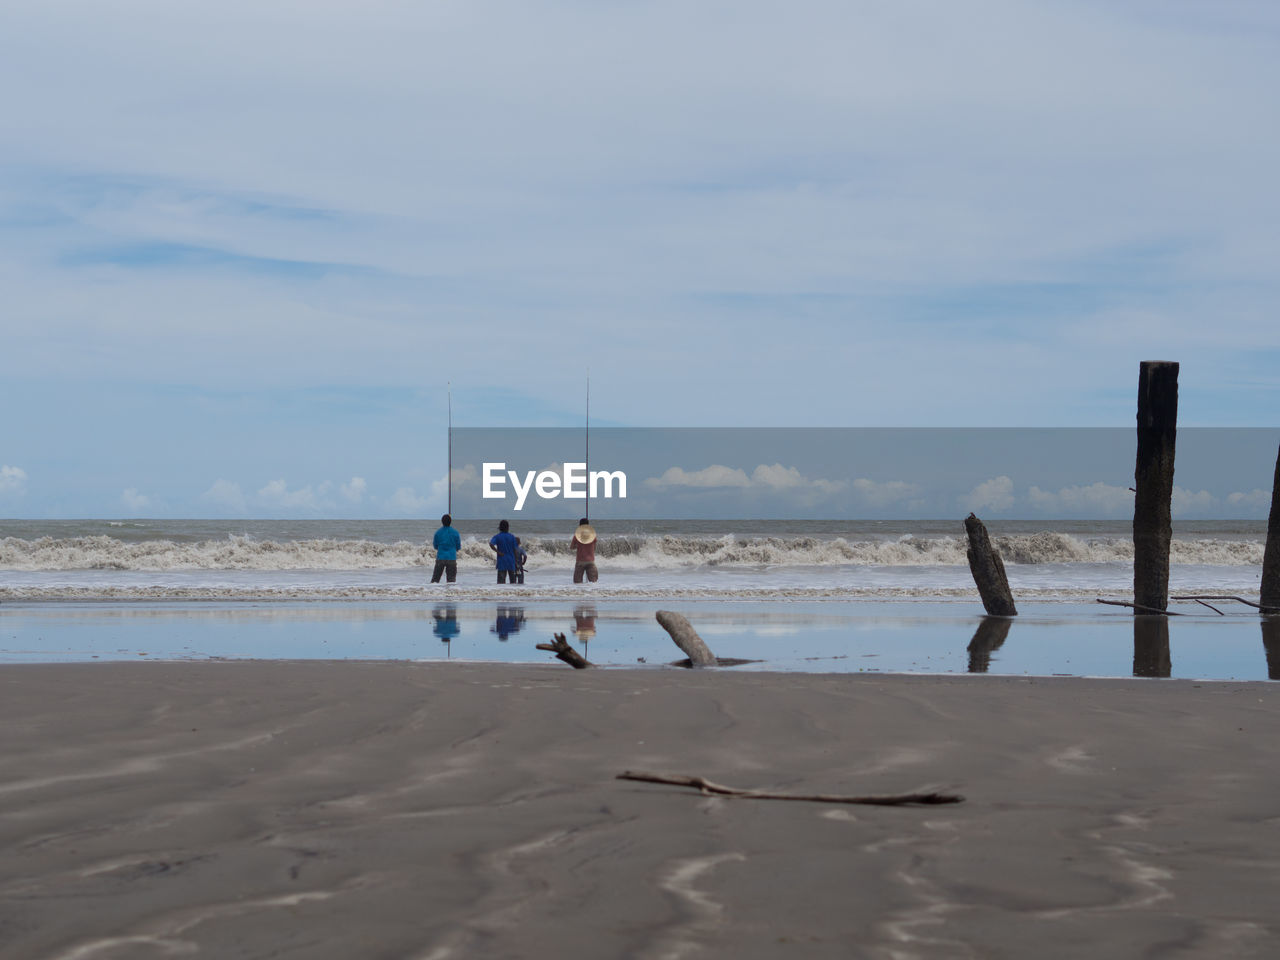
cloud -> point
(1253, 499)
(406, 501)
(994, 495)
(882, 494)
(277, 495)
(766, 477)
(1192, 501)
(778, 477)
(715, 475)
(354, 490)
(226, 496)
(13, 480)
(1093, 499)
(134, 501)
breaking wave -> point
(623, 552)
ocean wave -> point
(624, 552)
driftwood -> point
(1138, 607)
(566, 653)
(1227, 596)
(707, 787)
(988, 571)
(1153, 476)
(686, 638)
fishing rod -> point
(449, 478)
(587, 426)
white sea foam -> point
(667, 552)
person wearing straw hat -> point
(584, 542)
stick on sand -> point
(707, 787)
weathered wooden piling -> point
(1153, 476)
(1151, 657)
(1270, 598)
(686, 638)
(988, 570)
(987, 639)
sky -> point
(245, 248)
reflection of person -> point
(509, 620)
(446, 541)
(446, 622)
(584, 623)
(505, 546)
(584, 542)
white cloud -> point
(134, 501)
(772, 477)
(226, 496)
(715, 475)
(354, 490)
(406, 501)
(1192, 501)
(881, 494)
(1094, 499)
(995, 495)
(439, 493)
(1254, 498)
(277, 495)
(13, 480)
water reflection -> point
(446, 622)
(1271, 644)
(584, 624)
(987, 639)
(1151, 646)
(507, 621)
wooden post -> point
(686, 638)
(987, 639)
(988, 571)
(1153, 476)
(1270, 598)
(1151, 646)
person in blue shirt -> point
(507, 548)
(447, 542)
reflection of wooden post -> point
(987, 639)
(988, 571)
(1271, 556)
(1271, 644)
(1151, 646)
(1153, 476)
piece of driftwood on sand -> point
(686, 638)
(708, 788)
(560, 647)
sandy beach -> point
(318, 809)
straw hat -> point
(585, 533)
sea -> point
(774, 595)
(783, 560)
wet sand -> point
(401, 810)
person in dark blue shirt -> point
(446, 541)
(506, 547)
